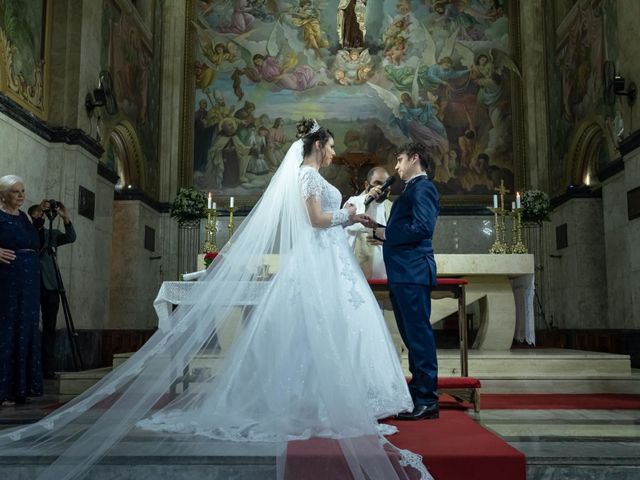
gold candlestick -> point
(499, 246)
(230, 227)
(518, 246)
(211, 231)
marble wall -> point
(577, 289)
(454, 233)
(622, 238)
(57, 170)
(136, 273)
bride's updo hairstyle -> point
(310, 131)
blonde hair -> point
(7, 182)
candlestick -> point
(231, 202)
(499, 246)
(517, 245)
(230, 226)
(211, 230)
(209, 201)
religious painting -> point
(24, 53)
(377, 74)
(128, 51)
(586, 38)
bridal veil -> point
(265, 351)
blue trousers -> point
(412, 309)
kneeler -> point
(462, 388)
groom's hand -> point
(380, 234)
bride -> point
(305, 349)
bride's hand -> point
(365, 220)
(351, 210)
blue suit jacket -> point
(407, 249)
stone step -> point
(515, 371)
(519, 363)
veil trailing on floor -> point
(263, 354)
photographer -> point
(50, 239)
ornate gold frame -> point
(518, 133)
(33, 98)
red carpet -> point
(545, 401)
(454, 447)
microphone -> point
(384, 188)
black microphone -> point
(384, 187)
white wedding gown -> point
(305, 354)
(307, 346)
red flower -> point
(208, 258)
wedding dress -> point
(294, 351)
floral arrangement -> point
(208, 258)
(535, 206)
(189, 204)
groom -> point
(411, 272)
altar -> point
(504, 287)
(502, 284)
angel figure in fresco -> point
(241, 19)
(397, 29)
(277, 67)
(355, 66)
(306, 16)
(433, 74)
(487, 71)
(418, 120)
(216, 55)
(351, 23)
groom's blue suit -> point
(411, 272)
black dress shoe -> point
(420, 412)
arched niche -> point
(128, 158)
(588, 153)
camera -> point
(52, 211)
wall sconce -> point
(103, 96)
(631, 92)
(614, 85)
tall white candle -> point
(231, 202)
(495, 201)
(518, 199)
(209, 201)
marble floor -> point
(571, 444)
(559, 444)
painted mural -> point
(586, 38)
(378, 74)
(22, 52)
(135, 69)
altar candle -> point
(513, 205)
(518, 199)
(213, 205)
(230, 202)
(495, 201)
(209, 201)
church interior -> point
(159, 124)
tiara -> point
(314, 128)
